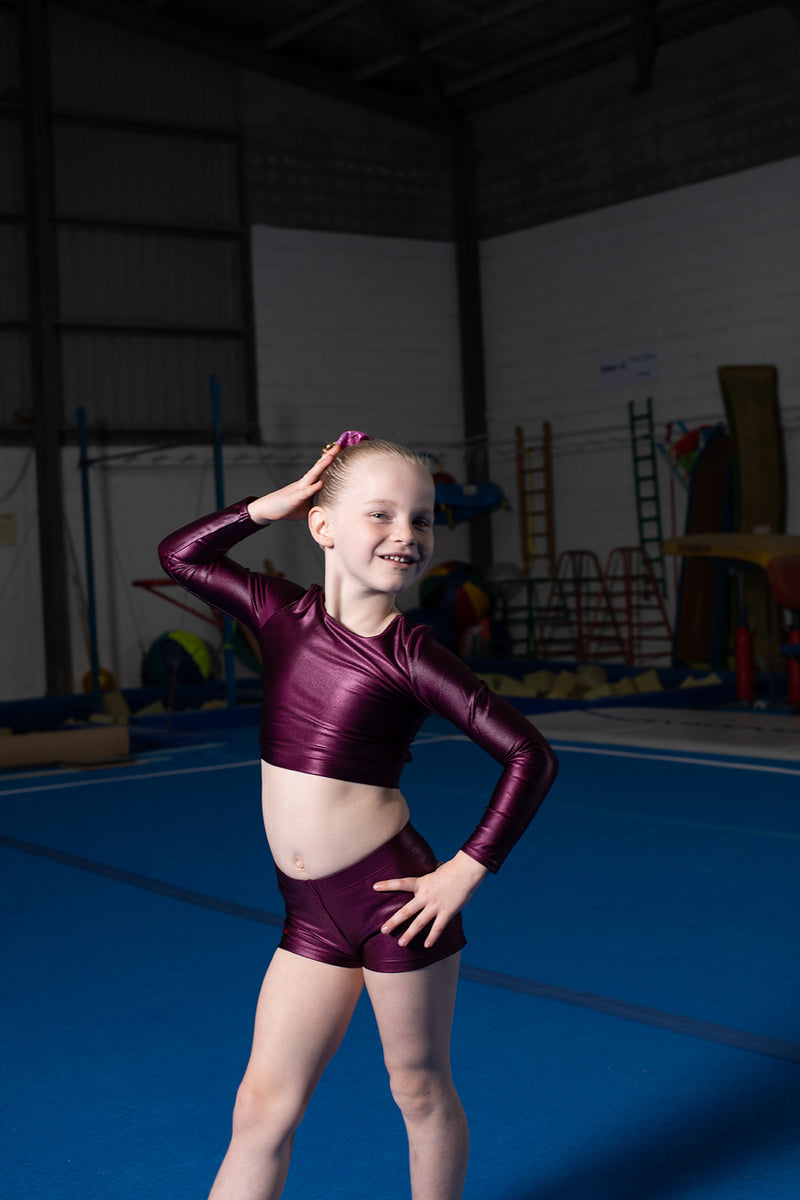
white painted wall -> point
(701, 276)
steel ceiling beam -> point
(794, 8)
(506, 67)
(463, 10)
(398, 29)
(322, 16)
(535, 56)
(278, 66)
(453, 33)
(645, 42)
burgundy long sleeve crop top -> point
(348, 707)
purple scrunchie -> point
(352, 437)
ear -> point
(320, 527)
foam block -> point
(648, 681)
(539, 682)
(102, 744)
(592, 676)
(116, 706)
(565, 685)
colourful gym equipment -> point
(104, 679)
(778, 557)
(750, 394)
(177, 657)
(702, 599)
(458, 502)
(457, 592)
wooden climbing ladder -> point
(535, 496)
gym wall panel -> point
(13, 277)
(153, 274)
(15, 383)
(312, 162)
(127, 175)
(12, 198)
(356, 330)
(138, 384)
(698, 277)
(9, 58)
(22, 667)
(14, 365)
(112, 71)
(720, 101)
(140, 279)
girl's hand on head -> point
(437, 897)
(292, 503)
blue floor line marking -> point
(705, 1030)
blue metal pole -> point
(91, 605)
(219, 481)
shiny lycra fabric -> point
(337, 919)
(348, 707)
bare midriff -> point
(316, 826)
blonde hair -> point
(335, 476)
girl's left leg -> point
(414, 1011)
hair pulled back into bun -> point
(356, 448)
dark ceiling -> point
(430, 62)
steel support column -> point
(470, 312)
(44, 349)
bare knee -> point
(266, 1112)
(422, 1093)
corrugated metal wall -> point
(152, 249)
(14, 372)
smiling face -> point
(378, 533)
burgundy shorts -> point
(337, 919)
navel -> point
(299, 864)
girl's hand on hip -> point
(292, 503)
(437, 897)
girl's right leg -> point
(303, 1012)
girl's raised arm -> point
(291, 503)
(195, 556)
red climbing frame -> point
(629, 613)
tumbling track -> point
(627, 1028)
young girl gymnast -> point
(347, 683)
